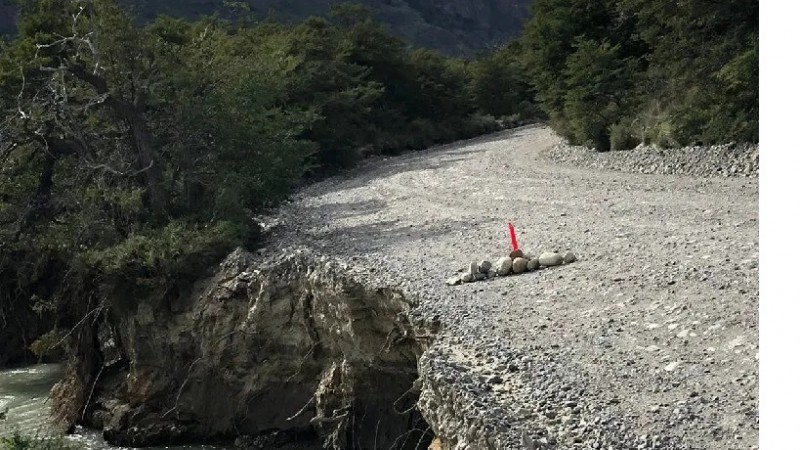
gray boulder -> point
(519, 265)
(504, 265)
(550, 259)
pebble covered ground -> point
(711, 161)
(648, 340)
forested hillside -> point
(456, 27)
(133, 156)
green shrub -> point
(621, 137)
(46, 345)
(478, 124)
(529, 110)
(660, 134)
(154, 260)
(597, 76)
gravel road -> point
(649, 340)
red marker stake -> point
(514, 246)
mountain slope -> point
(455, 27)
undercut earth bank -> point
(270, 351)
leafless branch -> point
(405, 435)
(413, 406)
(183, 385)
(94, 311)
(377, 428)
(106, 168)
(307, 355)
(22, 113)
(424, 433)
(297, 414)
(91, 392)
(323, 419)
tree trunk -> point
(143, 141)
(140, 136)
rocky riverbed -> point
(648, 340)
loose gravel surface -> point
(648, 340)
(711, 161)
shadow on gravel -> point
(345, 210)
(362, 237)
(433, 158)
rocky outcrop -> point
(285, 344)
(452, 402)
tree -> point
(497, 84)
(703, 65)
(672, 71)
(132, 158)
(438, 91)
(549, 38)
(598, 81)
(339, 91)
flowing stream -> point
(24, 407)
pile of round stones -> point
(515, 263)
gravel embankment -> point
(648, 340)
(711, 161)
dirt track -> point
(649, 340)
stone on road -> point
(519, 265)
(504, 265)
(550, 259)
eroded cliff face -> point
(286, 345)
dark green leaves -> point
(674, 72)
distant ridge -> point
(455, 27)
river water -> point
(24, 397)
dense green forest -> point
(614, 73)
(132, 158)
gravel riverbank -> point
(648, 340)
